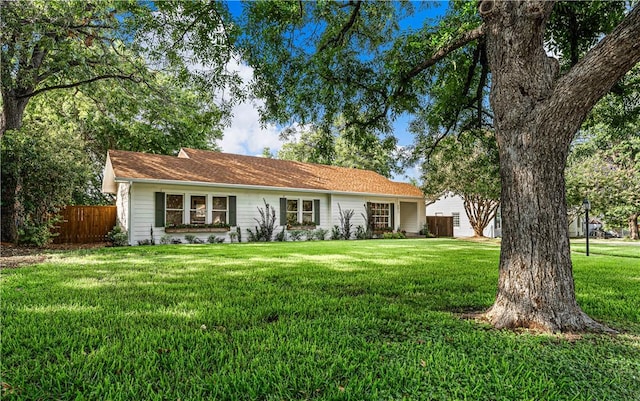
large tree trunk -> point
(12, 112)
(8, 209)
(536, 116)
(633, 226)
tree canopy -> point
(336, 147)
(119, 74)
(604, 165)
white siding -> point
(449, 204)
(409, 216)
(122, 204)
(142, 205)
(411, 223)
(345, 202)
(247, 204)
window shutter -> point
(232, 211)
(370, 222)
(392, 215)
(283, 211)
(316, 211)
(160, 209)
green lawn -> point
(357, 320)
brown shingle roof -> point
(224, 168)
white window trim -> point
(167, 209)
(300, 212)
(210, 212)
(303, 212)
(388, 215)
(454, 215)
(206, 206)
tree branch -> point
(78, 83)
(593, 76)
(345, 29)
(465, 38)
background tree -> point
(604, 164)
(467, 166)
(49, 46)
(335, 147)
(47, 163)
(127, 75)
(352, 58)
(56, 45)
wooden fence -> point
(84, 224)
(440, 226)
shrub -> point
(424, 230)
(192, 239)
(239, 232)
(345, 222)
(361, 233)
(118, 237)
(396, 235)
(266, 224)
(144, 242)
(215, 240)
(38, 234)
(321, 234)
(281, 236)
(233, 235)
(176, 241)
(166, 239)
(296, 235)
(335, 232)
(368, 218)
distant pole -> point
(587, 206)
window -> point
(380, 215)
(220, 211)
(456, 219)
(198, 210)
(307, 212)
(175, 210)
(292, 211)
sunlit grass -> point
(360, 320)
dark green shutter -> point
(283, 211)
(232, 211)
(369, 223)
(392, 215)
(160, 209)
(316, 211)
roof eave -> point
(260, 187)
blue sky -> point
(247, 136)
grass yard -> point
(357, 320)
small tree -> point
(266, 224)
(467, 166)
(368, 218)
(345, 222)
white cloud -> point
(246, 135)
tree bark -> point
(8, 209)
(536, 116)
(633, 226)
(12, 112)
